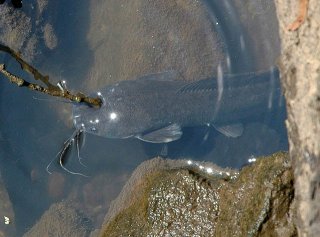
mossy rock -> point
(185, 202)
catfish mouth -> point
(83, 116)
(87, 126)
(77, 123)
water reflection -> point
(126, 40)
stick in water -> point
(50, 89)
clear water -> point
(33, 130)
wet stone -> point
(173, 201)
(62, 219)
(182, 206)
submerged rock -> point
(15, 31)
(7, 217)
(62, 219)
(168, 197)
(134, 38)
(26, 30)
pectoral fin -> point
(233, 130)
(163, 135)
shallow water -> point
(93, 50)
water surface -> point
(101, 43)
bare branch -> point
(51, 89)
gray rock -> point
(300, 74)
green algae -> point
(133, 220)
(185, 203)
(259, 201)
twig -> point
(51, 89)
(303, 9)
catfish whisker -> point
(66, 145)
(67, 170)
(78, 147)
(61, 154)
(47, 169)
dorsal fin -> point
(199, 86)
(170, 75)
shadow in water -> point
(29, 140)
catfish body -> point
(155, 107)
